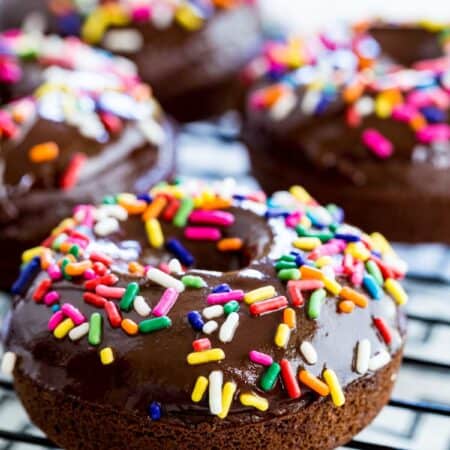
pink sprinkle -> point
(377, 143)
(404, 113)
(434, 133)
(328, 249)
(212, 217)
(358, 273)
(54, 271)
(293, 219)
(51, 297)
(306, 285)
(55, 320)
(202, 233)
(260, 358)
(221, 298)
(74, 313)
(110, 292)
(164, 267)
(89, 274)
(419, 98)
(347, 264)
(166, 302)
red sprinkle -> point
(94, 299)
(70, 177)
(41, 290)
(289, 379)
(99, 268)
(268, 306)
(108, 280)
(383, 328)
(171, 209)
(113, 314)
(100, 257)
(295, 294)
(201, 344)
(110, 292)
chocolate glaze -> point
(153, 367)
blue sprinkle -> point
(26, 276)
(239, 197)
(376, 253)
(56, 308)
(300, 260)
(275, 212)
(372, 287)
(433, 114)
(155, 411)
(195, 320)
(180, 251)
(146, 197)
(336, 212)
(69, 24)
(224, 287)
(348, 237)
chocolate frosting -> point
(153, 367)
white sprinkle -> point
(211, 312)
(283, 106)
(175, 266)
(363, 356)
(141, 306)
(210, 327)
(229, 327)
(364, 106)
(162, 15)
(308, 352)
(152, 130)
(106, 226)
(163, 279)
(124, 41)
(116, 211)
(79, 331)
(310, 101)
(215, 391)
(8, 363)
(379, 360)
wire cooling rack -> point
(418, 415)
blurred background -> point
(414, 419)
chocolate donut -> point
(201, 317)
(190, 52)
(75, 124)
(357, 128)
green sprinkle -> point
(315, 303)
(95, 329)
(231, 306)
(128, 297)
(181, 217)
(75, 250)
(324, 235)
(64, 263)
(280, 265)
(109, 200)
(289, 258)
(289, 274)
(375, 271)
(151, 325)
(269, 377)
(334, 227)
(192, 281)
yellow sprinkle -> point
(174, 191)
(383, 107)
(335, 388)
(257, 295)
(29, 254)
(187, 18)
(106, 356)
(307, 243)
(94, 27)
(431, 25)
(199, 389)
(255, 401)
(154, 233)
(212, 355)
(66, 223)
(306, 222)
(396, 290)
(331, 285)
(323, 261)
(300, 194)
(282, 335)
(381, 244)
(61, 331)
(290, 318)
(227, 398)
(358, 251)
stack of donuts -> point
(160, 312)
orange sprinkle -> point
(290, 318)
(133, 206)
(354, 296)
(418, 122)
(135, 268)
(69, 257)
(308, 379)
(346, 306)
(46, 259)
(272, 94)
(310, 273)
(230, 244)
(65, 247)
(130, 327)
(217, 203)
(155, 208)
(225, 4)
(45, 152)
(353, 92)
(142, 92)
(77, 269)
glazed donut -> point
(75, 124)
(357, 128)
(190, 52)
(206, 317)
